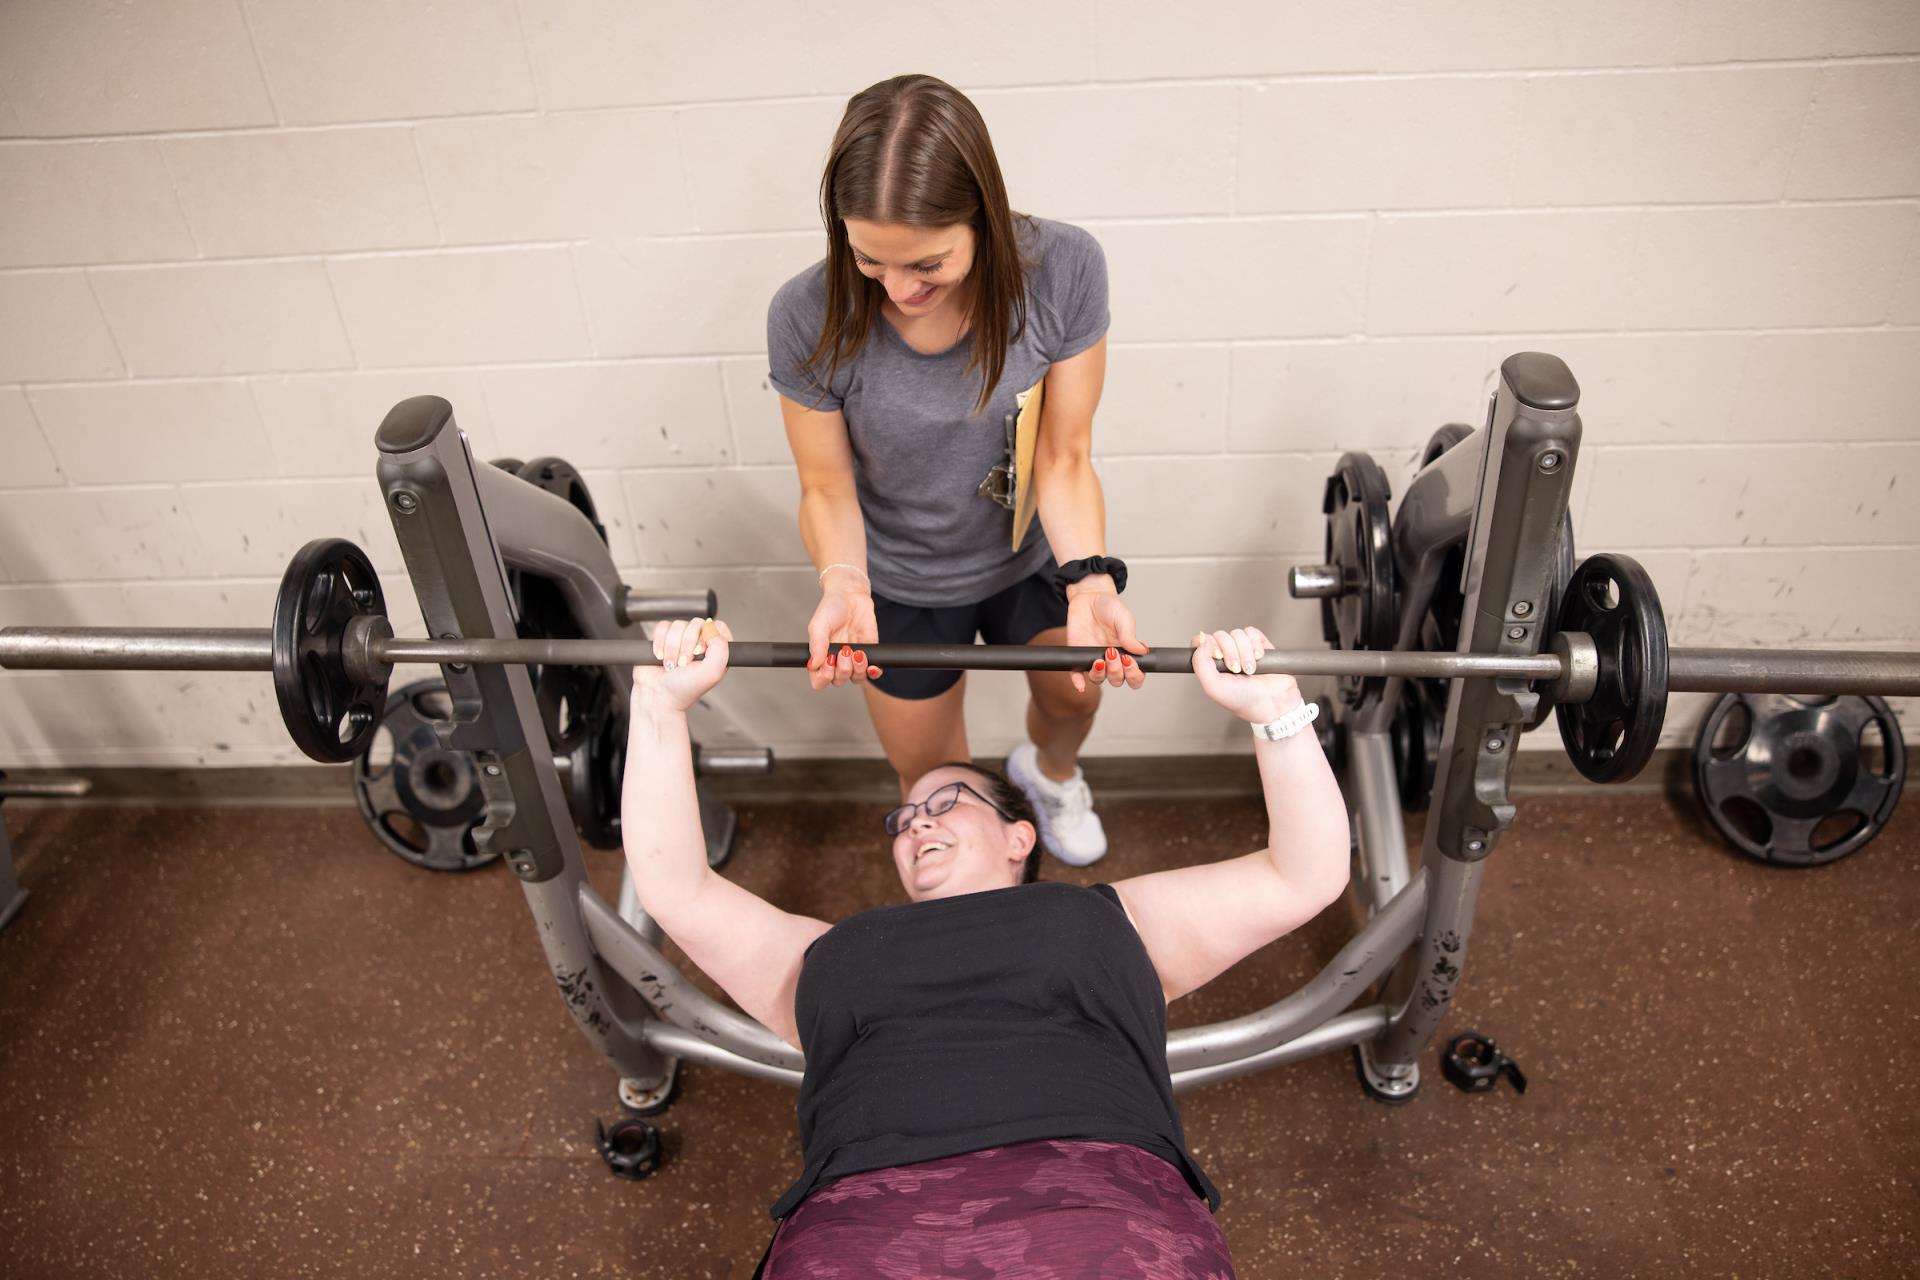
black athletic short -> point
(1012, 615)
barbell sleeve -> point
(136, 649)
(1823, 671)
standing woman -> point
(903, 362)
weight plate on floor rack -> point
(423, 801)
(1611, 736)
(329, 714)
(1777, 787)
(1359, 547)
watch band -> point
(1289, 724)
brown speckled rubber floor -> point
(244, 1042)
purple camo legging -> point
(1049, 1210)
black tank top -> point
(937, 1028)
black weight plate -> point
(1444, 439)
(1359, 547)
(1332, 735)
(558, 476)
(1798, 764)
(1440, 629)
(1414, 734)
(572, 699)
(595, 781)
(1612, 735)
(330, 716)
(424, 803)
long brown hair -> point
(913, 150)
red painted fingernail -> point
(1098, 667)
(846, 650)
(860, 656)
(1126, 659)
(1112, 656)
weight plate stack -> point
(1790, 767)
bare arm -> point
(1197, 922)
(746, 944)
(830, 521)
(836, 539)
(1073, 508)
(1068, 498)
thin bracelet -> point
(856, 568)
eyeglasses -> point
(943, 799)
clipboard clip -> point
(1003, 481)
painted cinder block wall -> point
(235, 233)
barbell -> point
(332, 651)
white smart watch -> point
(1289, 724)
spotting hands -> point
(693, 657)
(1257, 699)
(1098, 618)
(842, 624)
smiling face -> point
(923, 269)
(968, 849)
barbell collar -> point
(1580, 667)
(360, 648)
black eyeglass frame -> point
(895, 823)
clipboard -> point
(1026, 434)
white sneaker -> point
(1069, 828)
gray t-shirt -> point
(919, 449)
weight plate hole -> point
(1834, 829)
(319, 688)
(1731, 734)
(1748, 819)
(313, 611)
(1803, 762)
(1874, 757)
(1602, 594)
